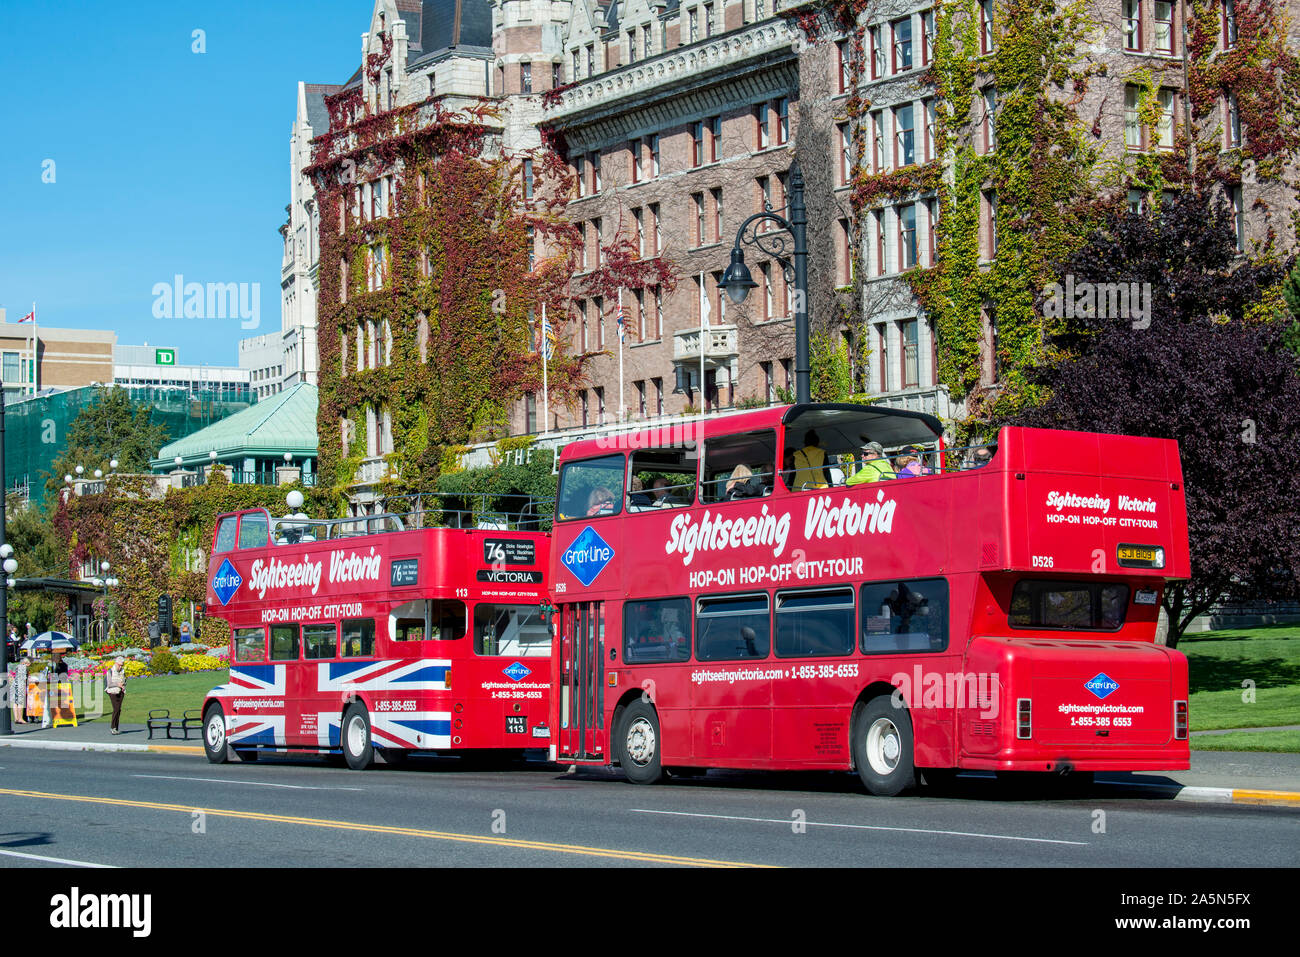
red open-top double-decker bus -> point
(377, 644)
(754, 592)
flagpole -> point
(622, 406)
(36, 359)
(704, 324)
(545, 345)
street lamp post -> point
(737, 280)
(104, 567)
(5, 713)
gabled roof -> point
(455, 23)
(318, 116)
(285, 422)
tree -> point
(1202, 371)
(111, 427)
(40, 554)
(1291, 295)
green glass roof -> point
(285, 422)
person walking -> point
(19, 691)
(115, 685)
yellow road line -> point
(177, 748)
(639, 856)
(1247, 796)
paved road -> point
(169, 811)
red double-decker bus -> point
(828, 587)
(362, 638)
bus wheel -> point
(638, 744)
(358, 750)
(214, 735)
(882, 747)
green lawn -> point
(174, 692)
(1220, 661)
(1248, 741)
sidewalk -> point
(93, 734)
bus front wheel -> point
(358, 750)
(639, 744)
(214, 735)
(882, 747)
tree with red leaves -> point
(1208, 366)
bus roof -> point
(844, 422)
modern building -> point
(263, 358)
(65, 358)
(258, 445)
(160, 367)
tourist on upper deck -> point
(875, 466)
(809, 464)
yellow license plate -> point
(1142, 556)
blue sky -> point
(165, 161)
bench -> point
(160, 719)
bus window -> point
(439, 619)
(253, 531)
(514, 631)
(284, 642)
(905, 616)
(320, 641)
(666, 476)
(1068, 606)
(730, 629)
(359, 638)
(739, 466)
(814, 623)
(657, 630)
(250, 644)
(225, 534)
(591, 488)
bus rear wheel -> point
(358, 750)
(639, 744)
(214, 735)
(882, 747)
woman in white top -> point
(115, 685)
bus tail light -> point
(613, 679)
(446, 680)
(1024, 718)
(1180, 720)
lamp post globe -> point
(6, 550)
(79, 469)
(737, 280)
(99, 473)
(10, 566)
(113, 465)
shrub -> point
(190, 664)
(164, 662)
(135, 669)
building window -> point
(577, 67)
(761, 122)
(911, 354)
(1164, 27)
(878, 141)
(586, 420)
(638, 220)
(846, 253)
(769, 383)
(907, 236)
(1229, 24)
(844, 78)
(878, 231)
(599, 305)
(715, 139)
(782, 120)
(1238, 217)
(654, 155)
(986, 26)
(631, 46)
(693, 22)
(698, 200)
(932, 230)
(656, 227)
(1165, 124)
(1132, 121)
(634, 151)
(931, 125)
(596, 232)
(904, 136)
(989, 123)
(591, 59)
(1232, 129)
(716, 195)
(594, 162)
(697, 144)
(902, 31)
(659, 395)
(1132, 22)
(525, 78)
(846, 158)
(927, 37)
(990, 211)
(580, 174)
(555, 76)
(581, 306)
(640, 397)
(600, 405)
(877, 51)
(646, 41)
(1136, 201)
(528, 179)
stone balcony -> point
(933, 400)
(372, 470)
(733, 52)
(722, 344)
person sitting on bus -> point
(983, 456)
(875, 466)
(637, 497)
(600, 502)
(678, 642)
(659, 494)
(743, 484)
(810, 464)
(908, 465)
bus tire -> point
(639, 744)
(358, 749)
(214, 735)
(882, 747)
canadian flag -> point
(30, 317)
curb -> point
(103, 746)
(1208, 795)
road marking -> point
(55, 860)
(643, 857)
(862, 827)
(260, 784)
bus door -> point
(582, 681)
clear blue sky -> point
(166, 161)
